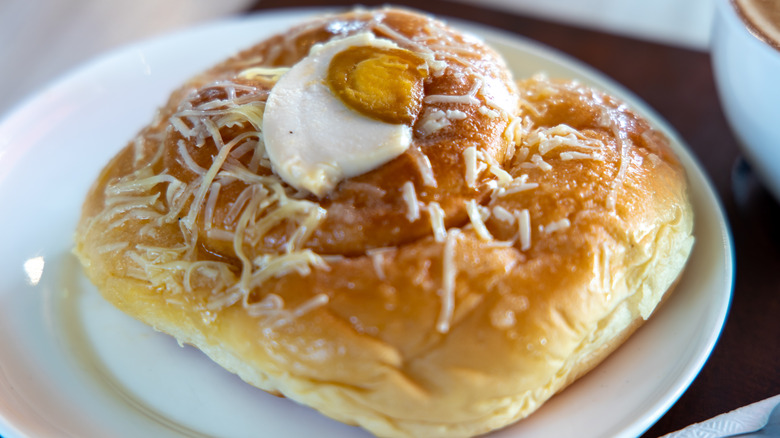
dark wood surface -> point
(678, 84)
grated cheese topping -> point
(455, 115)
(539, 162)
(436, 215)
(574, 155)
(270, 74)
(433, 121)
(424, 167)
(522, 154)
(524, 228)
(112, 247)
(504, 178)
(468, 98)
(412, 204)
(556, 226)
(503, 214)
(449, 275)
(377, 256)
(560, 136)
(210, 204)
(475, 216)
(265, 203)
(490, 113)
(470, 160)
(162, 200)
(516, 185)
(272, 306)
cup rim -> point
(738, 13)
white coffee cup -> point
(746, 62)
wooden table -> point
(679, 84)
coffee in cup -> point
(746, 61)
(762, 18)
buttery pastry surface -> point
(529, 227)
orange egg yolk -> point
(383, 84)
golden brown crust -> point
(372, 318)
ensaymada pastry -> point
(366, 214)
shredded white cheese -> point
(412, 204)
(475, 215)
(206, 180)
(208, 216)
(517, 185)
(489, 113)
(521, 154)
(433, 121)
(424, 166)
(179, 125)
(468, 98)
(271, 304)
(503, 176)
(537, 160)
(219, 234)
(264, 204)
(470, 160)
(574, 155)
(449, 275)
(503, 214)
(287, 317)
(112, 247)
(511, 133)
(556, 226)
(455, 115)
(524, 228)
(377, 256)
(436, 215)
(268, 73)
(275, 266)
(188, 160)
(305, 228)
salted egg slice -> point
(325, 120)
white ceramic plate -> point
(73, 366)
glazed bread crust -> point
(549, 224)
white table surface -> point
(41, 40)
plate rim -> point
(507, 37)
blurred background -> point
(40, 40)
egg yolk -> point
(383, 84)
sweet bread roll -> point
(367, 215)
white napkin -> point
(745, 419)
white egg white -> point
(313, 140)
